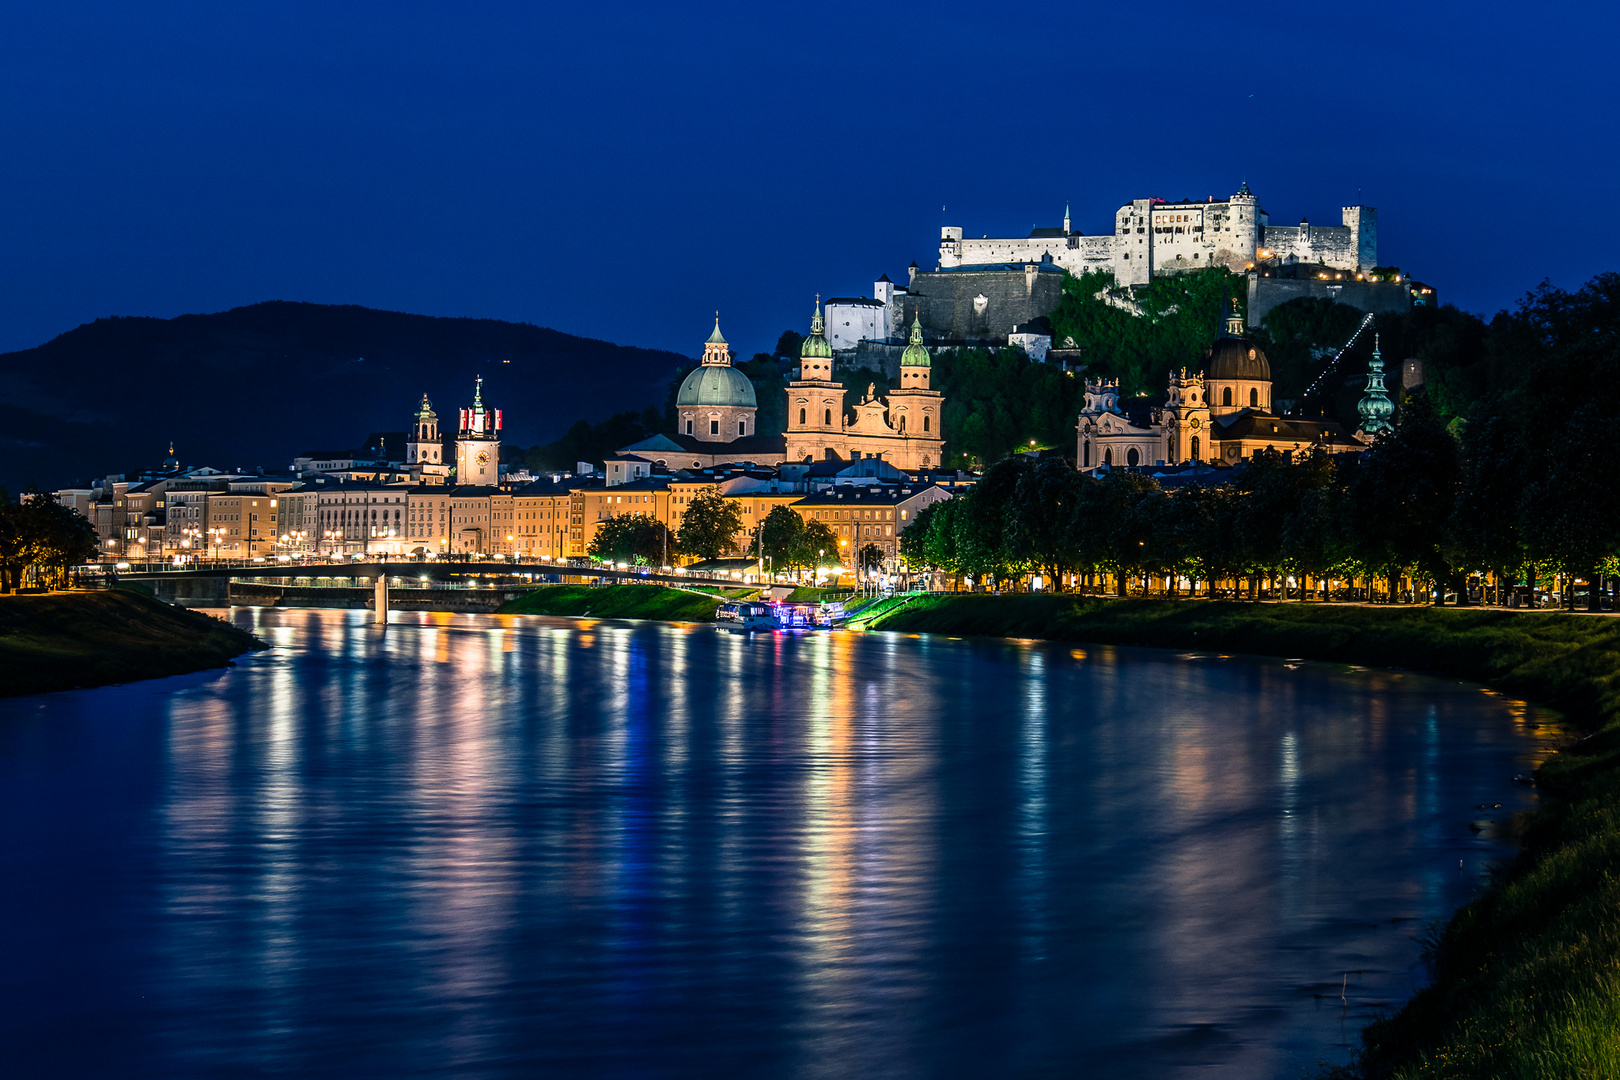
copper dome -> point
(1236, 358)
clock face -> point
(1197, 423)
(482, 458)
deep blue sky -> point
(620, 170)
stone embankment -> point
(61, 641)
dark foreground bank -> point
(1527, 977)
(616, 602)
(59, 641)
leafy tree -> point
(39, 534)
(710, 525)
(997, 402)
(1042, 528)
(631, 538)
(1569, 510)
(981, 521)
(1484, 529)
(779, 534)
(816, 547)
(789, 345)
(770, 391)
(870, 557)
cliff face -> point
(257, 385)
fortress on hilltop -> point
(1153, 237)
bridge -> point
(439, 584)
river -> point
(487, 846)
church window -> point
(925, 421)
(1108, 456)
(714, 427)
(742, 427)
(1226, 396)
(1132, 457)
(801, 416)
(689, 427)
(1195, 448)
(828, 420)
(1254, 397)
(1085, 454)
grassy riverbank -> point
(1527, 978)
(59, 641)
(616, 602)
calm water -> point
(482, 846)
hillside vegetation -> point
(280, 378)
(1527, 977)
(58, 641)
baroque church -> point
(716, 410)
(1223, 413)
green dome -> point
(815, 346)
(915, 355)
(716, 385)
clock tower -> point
(478, 443)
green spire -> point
(478, 395)
(915, 355)
(715, 338)
(1375, 407)
(815, 346)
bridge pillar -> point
(381, 599)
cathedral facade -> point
(903, 429)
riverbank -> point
(61, 641)
(616, 602)
(1527, 977)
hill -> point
(256, 385)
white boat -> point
(747, 616)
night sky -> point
(620, 171)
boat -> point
(745, 615)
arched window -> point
(1132, 457)
(828, 420)
(1108, 456)
(1085, 454)
(925, 421)
(801, 417)
(1226, 396)
(1195, 448)
(1254, 398)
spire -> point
(478, 395)
(716, 338)
(1375, 407)
(916, 355)
(815, 347)
(1066, 228)
(1243, 189)
(716, 353)
(1234, 319)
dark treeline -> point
(1514, 490)
(41, 542)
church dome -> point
(816, 346)
(716, 385)
(1237, 358)
(916, 355)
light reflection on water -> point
(491, 846)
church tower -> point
(815, 415)
(478, 443)
(1375, 407)
(423, 447)
(914, 409)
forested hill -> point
(259, 384)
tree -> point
(1044, 518)
(779, 534)
(815, 547)
(710, 525)
(1569, 510)
(631, 538)
(41, 535)
(870, 557)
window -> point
(714, 427)
(1108, 456)
(1132, 457)
(742, 427)
(828, 420)
(801, 416)
(1195, 448)
(1254, 397)
(925, 422)
(1226, 396)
